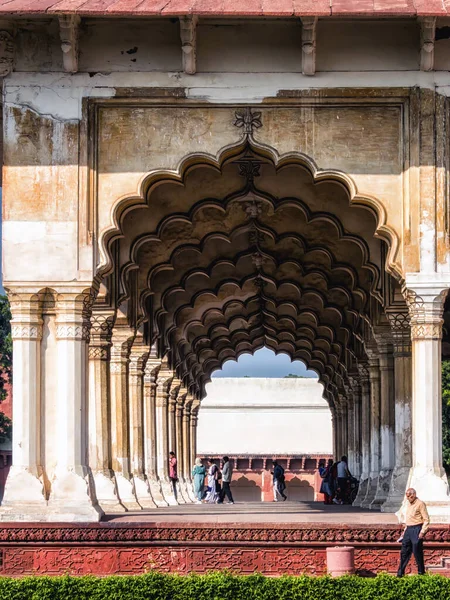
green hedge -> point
(224, 586)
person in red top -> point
(173, 472)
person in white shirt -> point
(343, 477)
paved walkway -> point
(258, 512)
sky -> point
(264, 363)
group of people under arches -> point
(338, 484)
(217, 481)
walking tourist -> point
(199, 473)
(327, 486)
(173, 473)
(417, 522)
(213, 472)
(227, 472)
(279, 484)
(343, 480)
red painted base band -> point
(107, 549)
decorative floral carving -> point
(248, 120)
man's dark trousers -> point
(411, 544)
(226, 491)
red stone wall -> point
(271, 549)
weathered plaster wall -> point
(263, 416)
(48, 213)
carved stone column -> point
(387, 415)
(187, 458)
(138, 358)
(356, 435)
(70, 499)
(150, 375)
(164, 381)
(374, 377)
(26, 470)
(350, 451)
(365, 434)
(427, 474)
(344, 424)
(179, 411)
(193, 426)
(122, 340)
(401, 335)
(100, 460)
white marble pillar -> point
(179, 410)
(344, 424)
(374, 376)
(187, 466)
(150, 437)
(165, 378)
(401, 334)
(356, 435)
(365, 433)
(193, 427)
(387, 415)
(100, 461)
(122, 340)
(70, 499)
(138, 359)
(24, 492)
(350, 432)
(427, 475)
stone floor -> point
(258, 512)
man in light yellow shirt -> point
(417, 522)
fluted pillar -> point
(350, 431)
(401, 335)
(374, 377)
(179, 412)
(425, 303)
(100, 460)
(122, 340)
(152, 368)
(164, 381)
(70, 496)
(387, 415)
(25, 473)
(138, 359)
(193, 426)
(365, 434)
(356, 434)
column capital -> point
(399, 321)
(26, 312)
(426, 307)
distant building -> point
(264, 416)
(254, 420)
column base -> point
(156, 492)
(396, 496)
(20, 484)
(106, 492)
(432, 487)
(167, 491)
(371, 490)
(71, 499)
(126, 491)
(142, 490)
(383, 485)
(189, 491)
(362, 490)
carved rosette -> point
(426, 314)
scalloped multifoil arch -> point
(151, 180)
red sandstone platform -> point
(273, 539)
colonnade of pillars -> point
(96, 412)
(95, 416)
(389, 422)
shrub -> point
(224, 586)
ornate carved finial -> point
(188, 34)
(309, 45)
(248, 120)
(68, 31)
(7, 48)
(427, 37)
